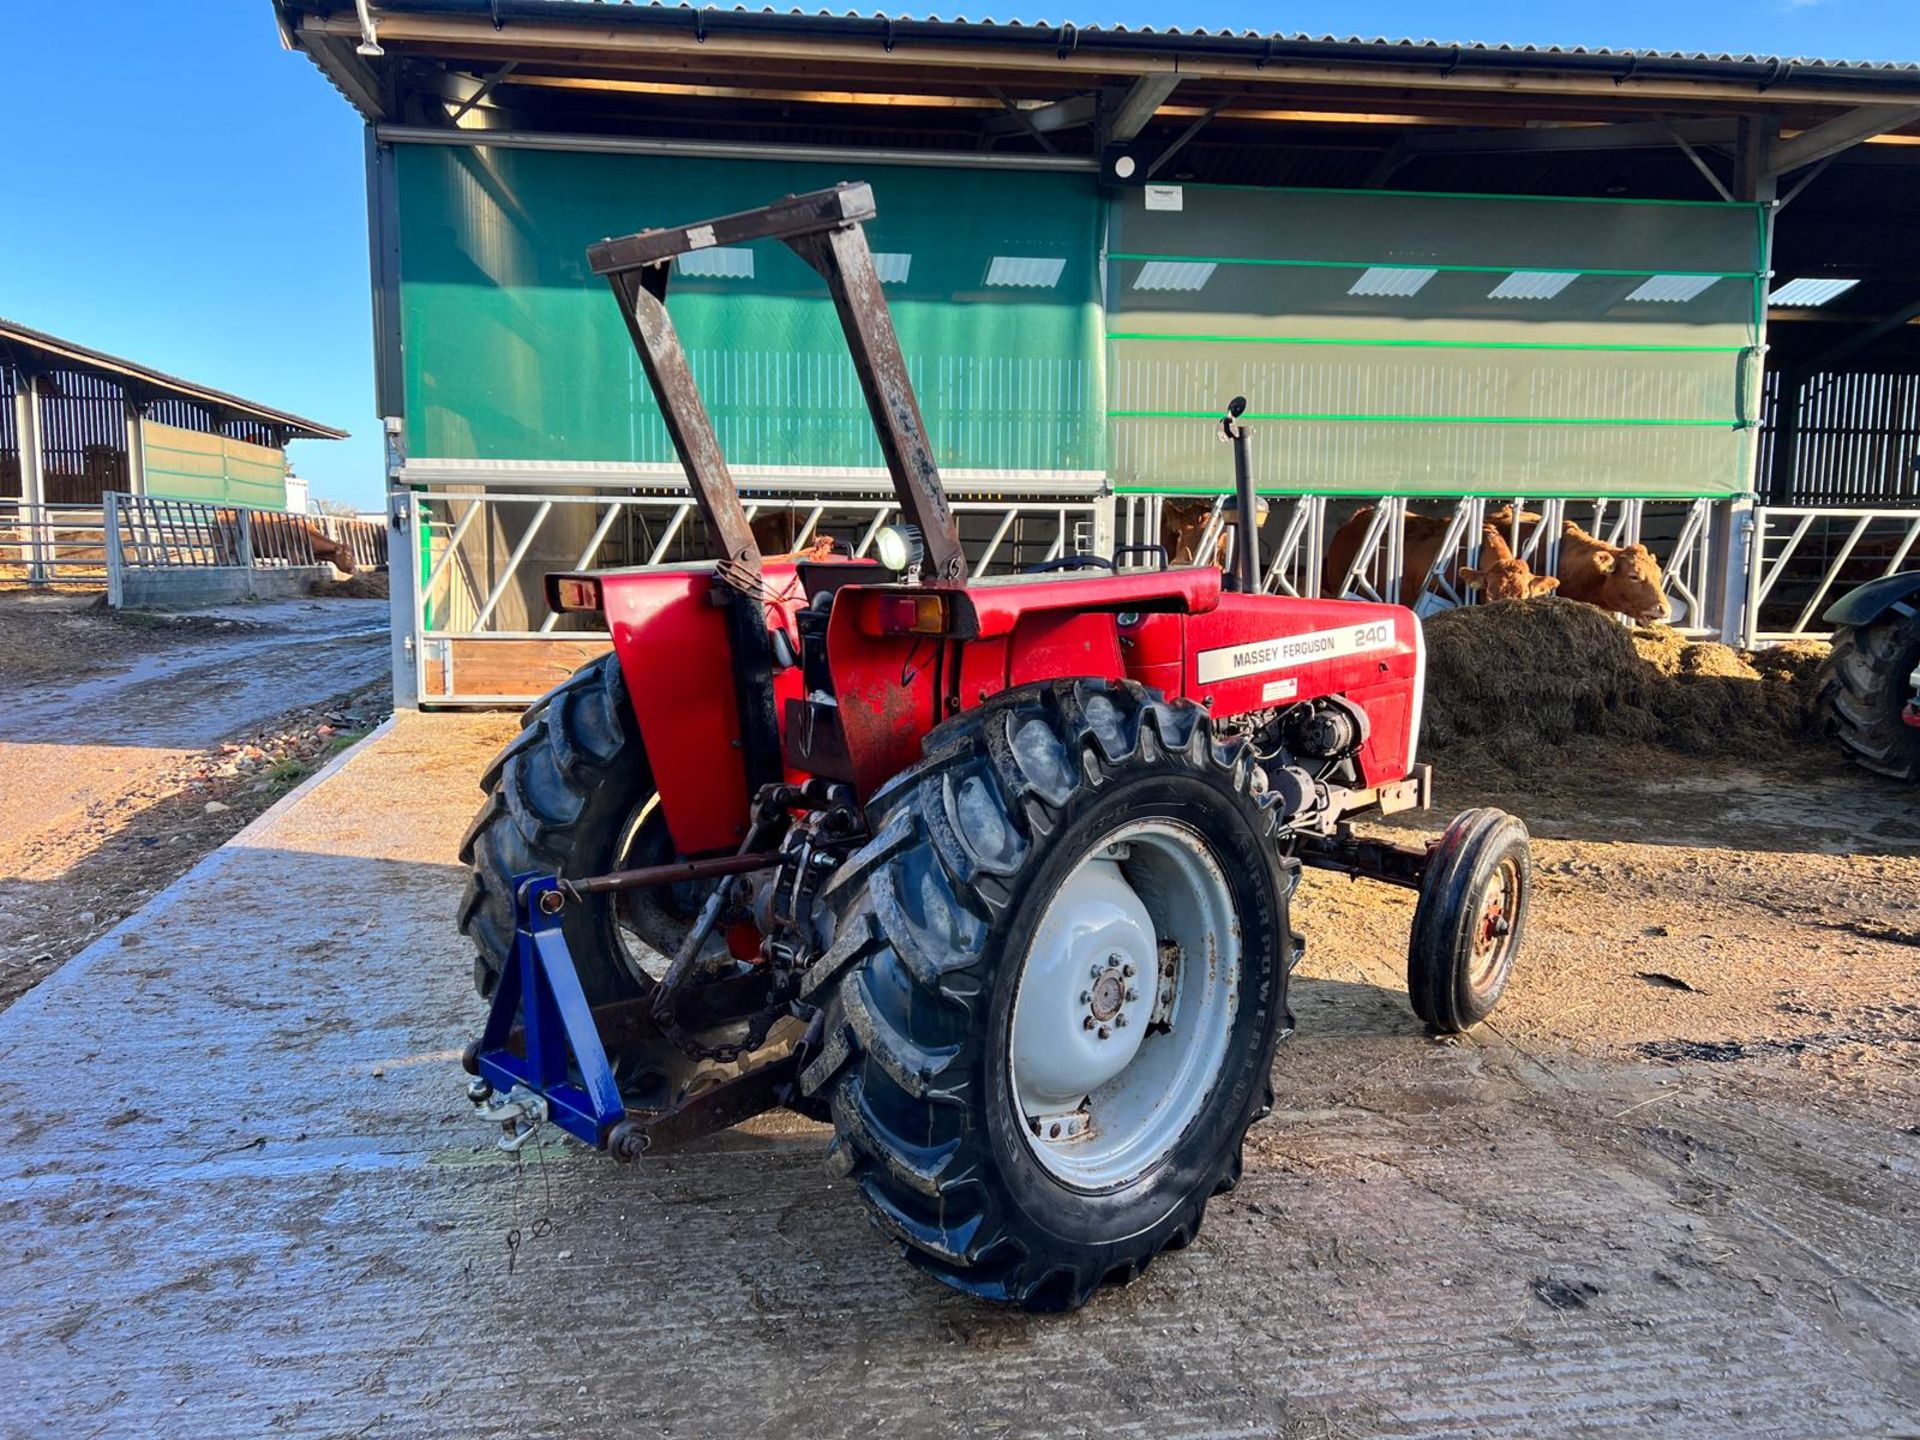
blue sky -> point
(192, 197)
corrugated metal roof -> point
(16, 337)
(1303, 38)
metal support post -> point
(1735, 570)
(115, 552)
(1733, 557)
(1104, 533)
(33, 482)
(136, 448)
(406, 607)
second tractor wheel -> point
(572, 794)
(1467, 926)
(1866, 685)
(1058, 979)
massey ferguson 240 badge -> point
(1285, 652)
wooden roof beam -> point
(1065, 114)
(1632, 135)
(1134, 112)
(1842, 132)
(529, 40)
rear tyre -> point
(1866, 684)
(1058, 978)
(572, 794)
(1471, 917)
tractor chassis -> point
(547, 1056)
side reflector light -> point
(570, 592)
(910, 614)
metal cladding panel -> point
(1399, 343)
(195, 465)
(514, 350)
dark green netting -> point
(1402, 343)
(516, 351)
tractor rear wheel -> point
(1058, 978)
(1866, 684)
(572, 794)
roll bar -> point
(824, 229)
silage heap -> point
(1526, 684)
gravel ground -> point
(1679, 1206)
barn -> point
(78, 424)
(1670, 296)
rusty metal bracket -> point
(763, 1088)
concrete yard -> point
(1670, 1191)
(128, 746)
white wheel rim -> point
(1110, 1068)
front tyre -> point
(1058, 980)
(1470, 921)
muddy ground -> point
(1669, 1191)
(132, 744)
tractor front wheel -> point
(1057, 982)
(1470, 920)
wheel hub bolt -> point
(1128, 971)
(1087, 1023)
(1105, 1032)
(1132, 994)
(1120, 1019)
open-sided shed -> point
(78, 422)
(1609, 283)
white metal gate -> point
(1298, 531)
(1805, 558)
(482, 633)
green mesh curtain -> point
(1397, 343)
(515, 350)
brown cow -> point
(280, 535)
(1502, 575)
(1625, 579)
(1183, 523)
(1421, 547)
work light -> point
(898, 547)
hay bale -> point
(1508, 683)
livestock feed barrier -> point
(481, 631)
(162, 553)
(1805, 558)
(1297, 531)
(477, 630)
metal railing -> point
(53, 544)
(484, 554)
(68, 544)
(365, 540)
(1806, 557)
(157, 532)
(153, 533)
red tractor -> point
(992, 875)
